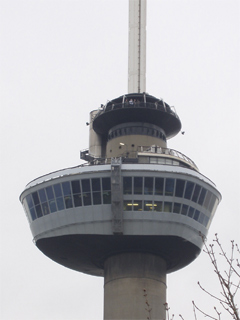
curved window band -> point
(97, 191)
(166, 207)
(66, 195)
(136, 131)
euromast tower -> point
(134, 211)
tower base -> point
(134, 287)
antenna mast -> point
(137, 46)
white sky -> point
(60, 59)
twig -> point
(205, 314)
(148, 309)
(229, 289)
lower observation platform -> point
(163, 209)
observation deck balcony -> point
(137, 108)
(166, 156)
(146, 154)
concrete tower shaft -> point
(134, 283)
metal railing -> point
(158, 105)
(166, 152)
(127, 158)
(132, 156)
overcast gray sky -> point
(60, 59)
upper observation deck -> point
(137, 107)
(147, 155)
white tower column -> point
(134, 287)
(137, 46)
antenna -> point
(137, 46)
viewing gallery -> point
(136, 129)
(158, 194)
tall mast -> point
(137, 46)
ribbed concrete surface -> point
(134, 287)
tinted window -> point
(177, 207)
(127, 205)
(196, 193)
(179, 188)
(50, 194)
(35, 198)
(188, 190)
(86, 185)
(76, 186)
(169, 187)
(128, 130)
(212, 203)
(207, 199)
(150, 132)
(77, 200)
(205, 220)
(191, 212)
(57, 190)
(148, 205)
(39, 211)
(29, 201)
(97, 198)
(68, 201)
(201, 218)
(96, 187)
(159, 186)
(107, 197)
(157, 206)
(184, 209)
(202, 196)
(52, 205)
(60, 204)
(33, 213)
(96, 184)
(167, 206)
(67, 195)
(87, 199)
(138, 185)
(42, 195)
(148, 185)
(127, 185)
(66, 188)
(106, 184)
(196, 215)
(45, 208)
(137, 205)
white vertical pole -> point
(137, 46)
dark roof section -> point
(87, 253)
(137, 107)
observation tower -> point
(134, 211)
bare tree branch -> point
(205, 314)
(229, 289)
(228, 279)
